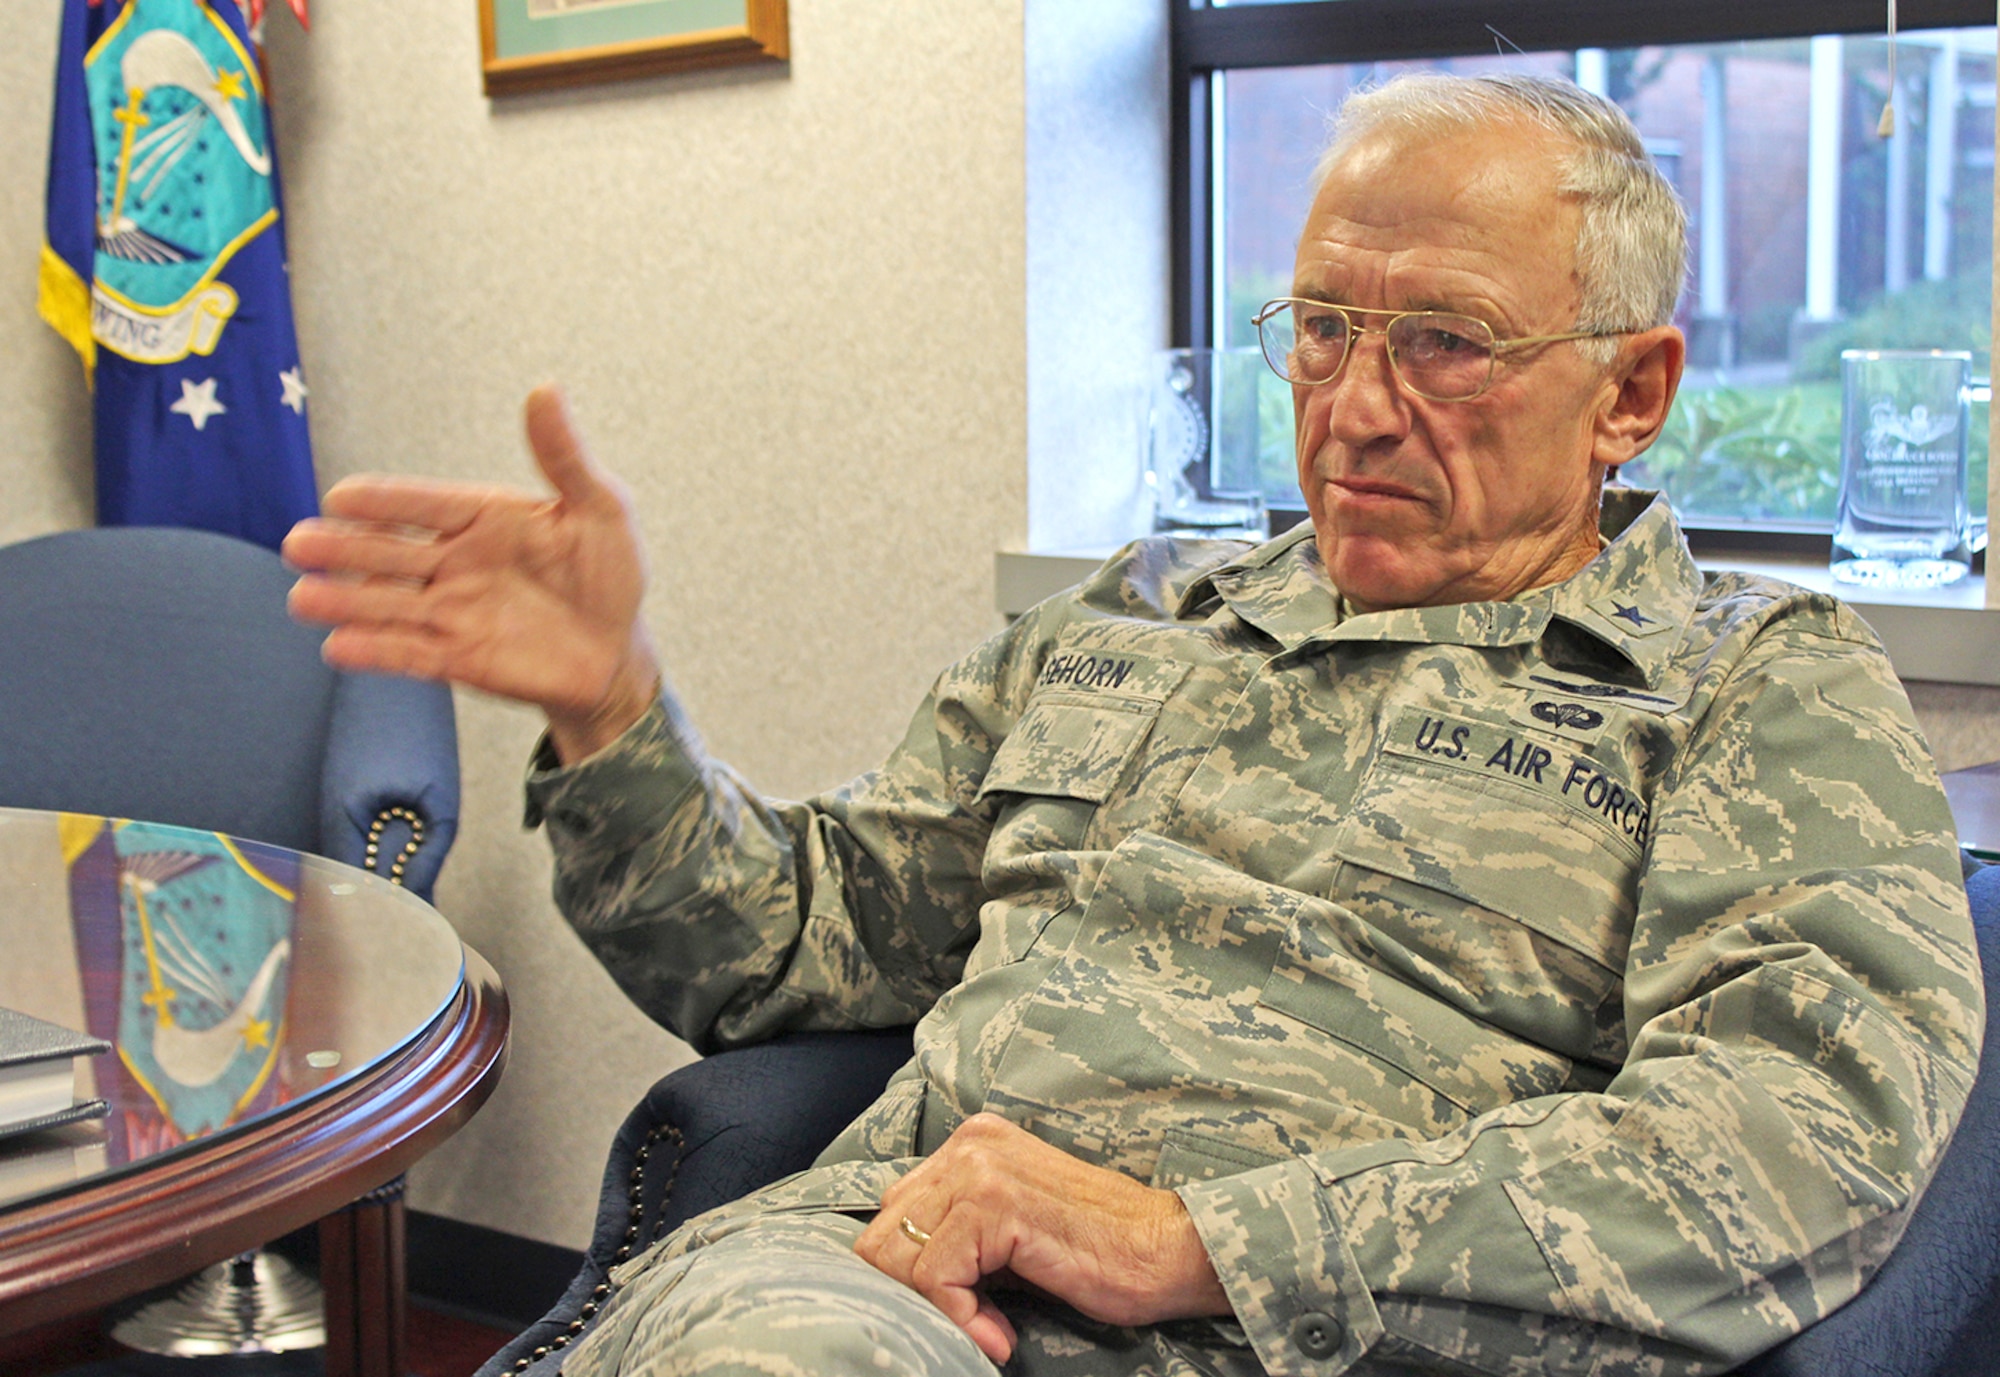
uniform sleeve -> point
(730, 918)
(1804, 1007)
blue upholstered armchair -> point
(153, 673)
(738, 1120)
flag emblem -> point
(185, 177)
(193, 992)
(165, 268)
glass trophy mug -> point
(1903, 521)
(1201, 443)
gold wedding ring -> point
(915, 1234)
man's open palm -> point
(523, 595)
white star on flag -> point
(294, 384)
(198, 402)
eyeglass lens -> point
(1439, 355)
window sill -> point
(1945, 635)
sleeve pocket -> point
(1191, 1156)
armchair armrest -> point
(391, 744)
(704, 1135)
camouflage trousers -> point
(783, 1295)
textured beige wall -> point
(44, 410)
(1961, 721)
(789, 305)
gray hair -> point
(1631, 247)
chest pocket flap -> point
(1523, 824)
(1088, 714)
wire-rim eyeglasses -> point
(1439, 355)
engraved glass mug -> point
(1201, 442)
(1903, 520)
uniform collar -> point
(1631, 599)
(1639, 594)
(1281, 588)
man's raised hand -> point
(525, 595)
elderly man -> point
(1456, 936)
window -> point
(1809, 232)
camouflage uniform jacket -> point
(1577, 983)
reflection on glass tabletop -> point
(233, 979)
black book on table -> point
(38, 1073)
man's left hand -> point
(995, 1198)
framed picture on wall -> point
(534, 45)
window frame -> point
(1204, 39)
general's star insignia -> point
(1633, 621)
(198, 402)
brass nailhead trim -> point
(409, 851)
(603, 1288)
(639, 1157)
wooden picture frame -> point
(539, 45)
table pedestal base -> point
(257, 1302)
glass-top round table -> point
(288, 1035)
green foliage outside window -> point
(1749, 456)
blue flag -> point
(165, 269)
